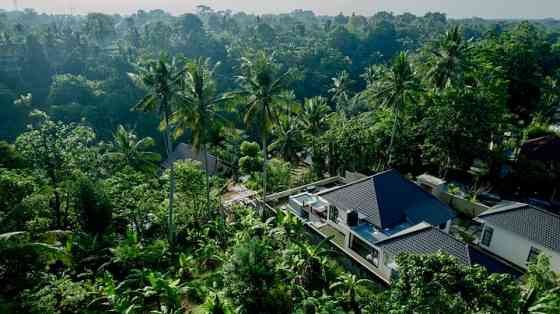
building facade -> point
(519, 232)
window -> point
(386, 259)
(365, 250)
(375, 257)
(487, 236)
(333, 214)
(533, 253)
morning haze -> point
(454, 8)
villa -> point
(519, 232)
(381, 216)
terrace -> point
(309, 207)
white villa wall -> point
(447, 226)
(381, 270)
(515, 248)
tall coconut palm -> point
(262, 84)
(161, 78)
(314, 113)
(314, 121)
(132, 151)
(339, 91)
(196, 109)
(448, 58)
(397, 87)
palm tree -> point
(130, 150)
(542, 288)
(315, 111)
(215, 305)
(397, 88)
(313, 262)
(339, 91)
(288, 140)
(314, 120)
(448, 58)
(161, 78)
(350, 283)
(548, 303)
(196, 109)
(262, 84)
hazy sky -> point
(453, 8)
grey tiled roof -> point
(185, 152)
(535, 224)
(431, 240)
(426, 241)
(361, 196)
(387, 199)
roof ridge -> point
(544, 211)
(416, 229)
(357, 181)
(507, 208)
(344, 186)
(517, 206)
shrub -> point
(539, 128)
(94, 206)
(216, 305)
(249, 275)
(59, 295)
(248, 164)
(438, 283)
(168, 291)
(21, 260)
(250, 149)
(130, 253)
(278, 175)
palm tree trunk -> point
(265, 157)
(207, 177)
(57, 211)
(170, 212)
(389, 162)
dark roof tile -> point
(535, 224)
(431, 240)
(387, 199)
(426, 241)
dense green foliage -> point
(462, 81)
(90, 106)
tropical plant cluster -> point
(96, 217)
